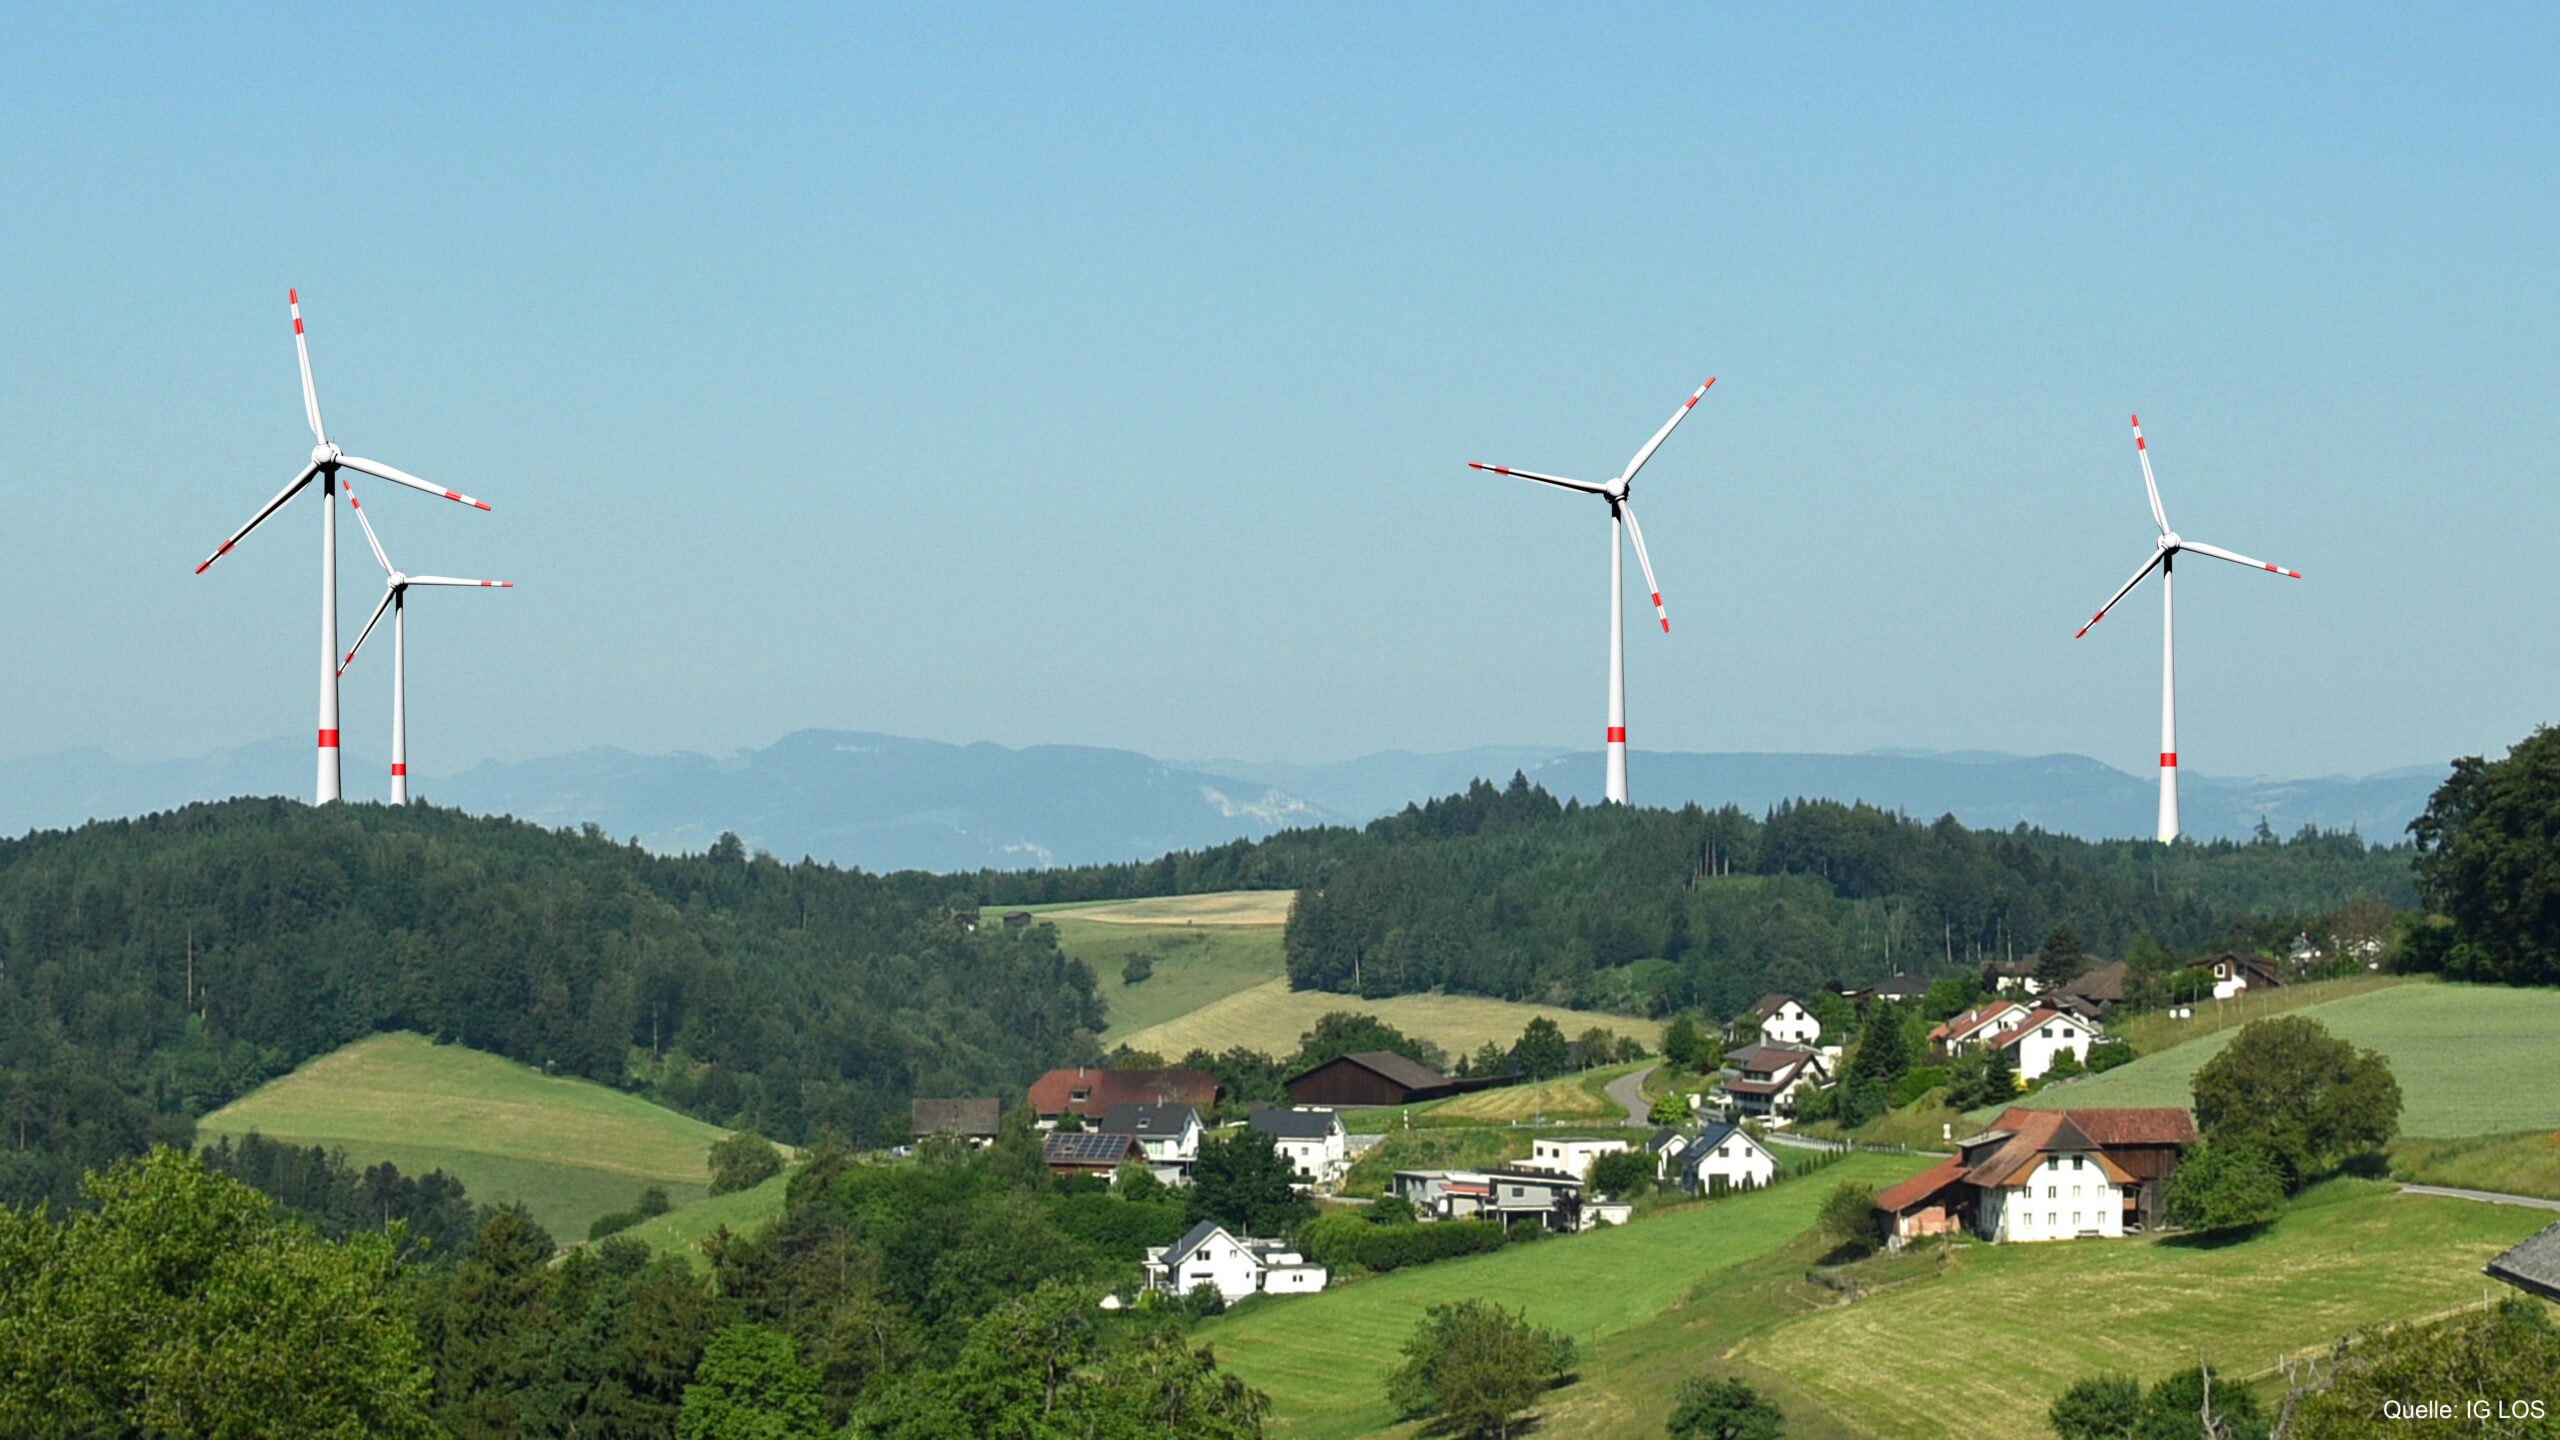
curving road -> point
(1628, 1091)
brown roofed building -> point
(1374, 1077)
(1090, 1093)
(2046, 1175)
(972, 1120)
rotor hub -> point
(2168, 542)
(324, 453)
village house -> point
(1726, 1157)
(1570, 1156)
(1763, 1080)
(2001, 977)
(1085, 1152)
(1959, 1033)
(970, 1121)
(1902, 989)
(1312, 1140)
(1167, 1135)
(1506, 1197)
(1782, 1020)
(1665, 1146)
(2042, 1036)
(2237, 974)
(2097, 990)
(1090, 1094)
(1237, 1269)
(2046, 1175)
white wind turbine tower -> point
(1621, 515)
(2165, 550)
(326, 460)
(395, 598)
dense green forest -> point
(153, 970)
(1506, 891)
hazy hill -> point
(883, 802)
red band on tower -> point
(328, 739)
(1617, 734)
(401, 770)
(2168, 759)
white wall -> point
(1737, 1160)
(2058, 1202)
(2038, 1047)
(1792, 1025)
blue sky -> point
(1033, 375)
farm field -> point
(680, 1231)
(569, 1150)
(2350, 1254)
(2154, 1030)
(2527, 1163)
(1567, 1097)
(2471, 1059)
(1206, 947)
(1324, 1358)
(1270, 1017)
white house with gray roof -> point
(1726, 1157)
(1207, 1255)
(1313, 1140)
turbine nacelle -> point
(325, 453)
(2166, 542)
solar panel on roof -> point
(1086, 1145)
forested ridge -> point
(152, 970)
(1506, 891)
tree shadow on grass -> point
(2213, 1239)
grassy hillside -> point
(1324, 1358)
(569, 1150)
(1270, 1017)
(1206, 947)
(2471, 1059)
(2526, 1163)
(1974, 1353)
(681, 1231)
(2157, 1030)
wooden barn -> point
(1373, 1077)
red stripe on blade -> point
(297, 324)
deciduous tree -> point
(2302, 1097)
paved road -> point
(2491, 1197)
(1628, 1091)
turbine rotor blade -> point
(2219, 553)
(449, 580)
(2159, 516)
(302, 352)
(369, 537)
(1561, 483)
(1635, 532)
(2147, 567)
(389, 593)
(258, 519)
(381, 471)
(1667, 427)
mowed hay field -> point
(1324, 1358)
(569, 1150)
(2471, 1059)
(1206, 947)
(1270, 1017)
(1979, 1352)
(682, 1230)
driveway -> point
(1628, 1091)
(2491, 1197)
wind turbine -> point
(395, 598)
(1621, 515)
(326, 460)
(2165, 550)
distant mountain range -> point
(885, 803)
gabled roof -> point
(2156, 1125)
(1903, 987)
(2032, 1135)
(1655, 1142)
(2532, 1266)
(1703, 1149)
(2102, 983)
(969, 1119)
(2027, 1026)
(1769, 1004)
(1149, 1121)
(1774, 1058)
(1087, 1148)
(1050, 1094)
(1973, 1021)
(1920, 1188)
(1282, 1124)
(1192, 1239)
(1411, 1074)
